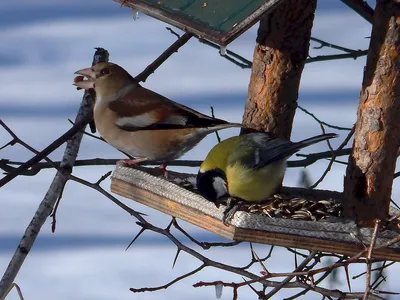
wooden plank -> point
(172, 208)
(277, 231)
(313, 244)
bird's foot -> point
(131, 163)
(232, 206)
(163, 168)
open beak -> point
(86, 80)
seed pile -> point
(286, 206)
(297, 208)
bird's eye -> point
(104, 71)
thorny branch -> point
(238, 270)
(165, 286)
(84, 116)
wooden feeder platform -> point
(335, 235)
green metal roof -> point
(220, 21)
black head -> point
(212, 185)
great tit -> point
(248, 167)
(140, 122)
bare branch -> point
(354, 55)
(322, 122)
(216, 133)
(49, 149)
(104, 177)
(362, 8)
(328, 168)
(369, 256)
(163, 57)
(165, 286)
(330, 45)
(203, 245)
(290, 277)
(98, 188)
(231, 56)
(54, 212)
(84, 116)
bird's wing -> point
(256, 150)
(144, 109)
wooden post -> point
(369, 177)
(282, 47)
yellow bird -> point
(249, 167)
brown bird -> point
(140, 122)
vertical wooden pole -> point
(369, 176)
(282, 47)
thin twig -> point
(98, 188)
(5, 164)
(235, 59)
(369, 257)
(173, 32)
(254, 259)
(165, 286)
(203, 245)
(16, 286)
(104, 177)
(81, 123)
(35, 169)
(380, 269)
(362, 8)
(330, 45)
(163, 57)
(53, 215)
(216, 133)
(322, 122)
(320, 279)
(290, 277)
(354, 55)
(328, 168)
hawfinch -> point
(140, 122)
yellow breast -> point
(255, 185)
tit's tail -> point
(315, 139)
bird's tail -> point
(222, 126)
(315, 139)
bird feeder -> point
(222, 22)
(218, 21)
(337, 234)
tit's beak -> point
(218, 202)
(86, 80)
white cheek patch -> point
(219, 186)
